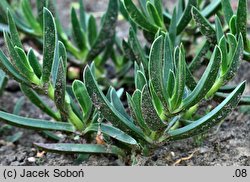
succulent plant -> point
(87, 42)
(165, 103)
(237, 23)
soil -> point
(224, 146)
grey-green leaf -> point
(49, 44)
(205, 27)
(149, 113)
(35, 123)
(82, 148)
(211, 119)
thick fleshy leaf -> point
(236, 58)
(180, 79)
(211, 119)
(38, 101)
(149, 113)
(107, 31)
(60, 53)
(34, 63)
(105, 107)
(78, 35)
(227, 10)
(168, 63)
(92, 30)
(49, 44)
(156, 65)
(82, 15)
(10, 70)
(173, 28)
(112, 132)
(205, 27)
(83, 98)
(245, 99)
(206, 82)
(211, 8)
(159, 7)
(13, 31)
(154, 14)
(35, 123)
(140, 80)
(134, 104)
(60, 91)
(241, 19)
(186, 16)
(17, 60)
(81, 148)
(138, 17)
(116, 102)
(219, 29)
(197, 60)
(3, 80)
(27, 11)
(137, 49)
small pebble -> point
(32, 159)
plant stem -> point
(73, 118)
(218, 83)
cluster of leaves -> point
(167, 95)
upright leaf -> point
(186, 16)
(149, 113)
(107, 32)
(49, 44)
(205, 27)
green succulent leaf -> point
(219, 29)
(205, 27)
(227, 10)
(153, 13)
(81, 148)
(49, 45)
(116, 102)
(34, 63)
(107, 110)
(78, 34)
(60, 91)
(3, 80)
(112, 132)
(155, 66)
(83, 98)
(236, 57)
(82, 15)
(140, 80)
(27, 11)
(211, 119)
(138, 17)
(107, 31)
(206, 82)
(173, 28)
(134, 104)
(35, 123)
(186, 16)
(241, 20)
(13, 31)
(137, 49)
(9, 69)
(149, 113)
(180, 79)
(38, 101)
(211, 8)
(197, 60)
(92, 30)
